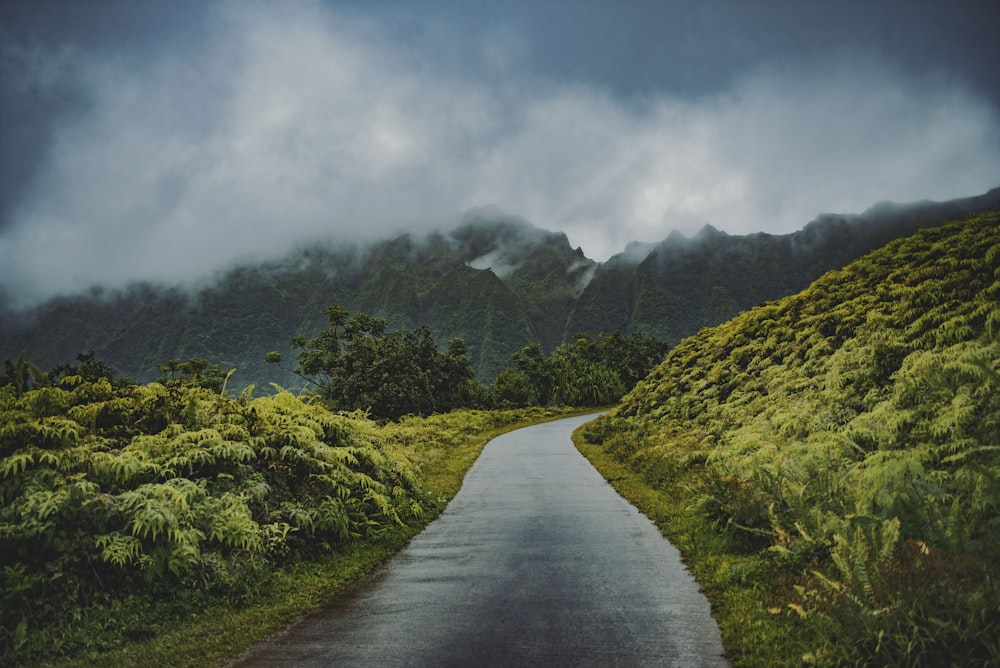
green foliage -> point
(846, 441)
(588, 372)
(112, 492)
(356, 363)
(21, 375)
(196, 372)
(128, 508)
(91, 369)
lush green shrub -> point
(152, 490)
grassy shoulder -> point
(443, 447)
(757, 629)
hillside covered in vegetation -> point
(831, 460)
(495, 281)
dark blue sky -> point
(130, 128)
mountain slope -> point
(495, 281)
(836, 451)
(685, 284)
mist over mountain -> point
(683, 284)
(495, 280)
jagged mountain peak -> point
(708, 233)
(489, 229)
(634, 253)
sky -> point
(143, 140)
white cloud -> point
(296, 125)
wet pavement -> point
(536, 562)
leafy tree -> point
(455, 385)
(22, 375)
(632, 357)
(196, 372)
(586, 372)
(90, 369)
(539, 372)
(357, 363)
(511, 389)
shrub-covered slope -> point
(837, 453)
(107, 492)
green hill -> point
(833, 459)
(683, 284)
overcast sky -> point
(155, 140)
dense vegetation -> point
(830, 462)
(495, 281)
(587, 372)
(124, 507)
(358, 363)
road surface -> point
(536, 562)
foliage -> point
(152, 490)
(90, 369)
(196, 372)
(838, 452)
(588, 372)
(127, 508)
(356, 363)
(21, 375)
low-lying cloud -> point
(291, 126)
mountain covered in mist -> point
(495, 281)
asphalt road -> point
(536, 562)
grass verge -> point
(756, 628)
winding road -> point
(536, 562)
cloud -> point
(289, 126)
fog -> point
(285, 124)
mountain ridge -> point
(497, 281)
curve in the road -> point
(536, 562)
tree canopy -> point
(357, 363)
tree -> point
(90, 369)
(539, 372)
(196, 372)
(511, 389)
(586, 372)
(22, 375)
(357, 363)
(632, 357)
(455, 383)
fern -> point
(230, 522)
(119, 549)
